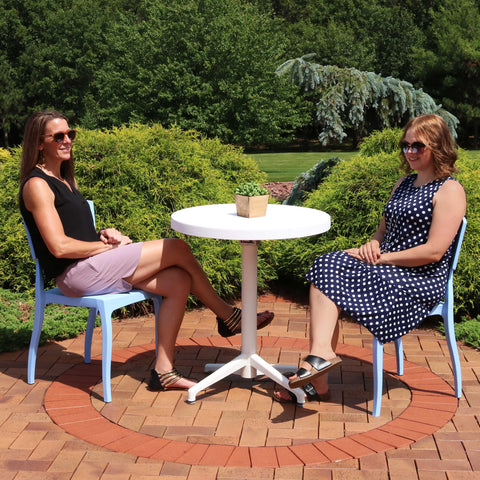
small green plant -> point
(251, 189)
(468, 330)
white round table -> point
(221, 222)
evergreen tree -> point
(349, 100)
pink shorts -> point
(102, 273)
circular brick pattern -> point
(71, 400)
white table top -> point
(221, 221)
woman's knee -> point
(178, 246)
(176, 281)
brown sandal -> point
(229, 327)
(160, 382)
(311, 395)
(320, 366)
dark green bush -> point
(467, 330)
(137, 176)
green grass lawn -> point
(287, 166)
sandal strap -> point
(169, 378)
(233, 320)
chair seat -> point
(54, 295)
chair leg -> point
(377, 377)
(453, 349)
(399, 355)
(106, 318)
(92, 316)
(34, 340)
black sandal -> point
(228, 327)
(159, 382)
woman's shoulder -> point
(35, 182)
(451, 184)
(451, 192)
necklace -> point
(50, 174)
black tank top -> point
(76, 218)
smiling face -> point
(421, 161)
(53, 151)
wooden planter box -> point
(251, 206)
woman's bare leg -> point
(157, 255)
(167, 267)
(174, 285)
(324, 331)
(323, 324)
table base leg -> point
(212, 367)
(243, 361)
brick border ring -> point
(68, 403)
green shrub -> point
(4, 155)
(16, 321)
(137, 176)
(469, 331)
(383, 141)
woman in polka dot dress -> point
(391, 283)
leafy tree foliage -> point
(201, 64)
(347, 97)
(366, 34)
(450, 63)
(209, 65)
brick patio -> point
(60, 428)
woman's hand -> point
(369, 252)
(112, 236)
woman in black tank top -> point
(64, 237)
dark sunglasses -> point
(416, 147)
(59, 136)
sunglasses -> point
(60, 136)
(416, 147)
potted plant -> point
(251, 200)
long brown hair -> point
(432, 130)
(31, 155)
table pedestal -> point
(248, 362)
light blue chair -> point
(445, 310)
(102, 304)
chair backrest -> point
(458, 244)
(29, 238)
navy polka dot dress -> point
(389, 300)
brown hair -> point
(434, 132)
(31, 155)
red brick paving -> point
(60, 429)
